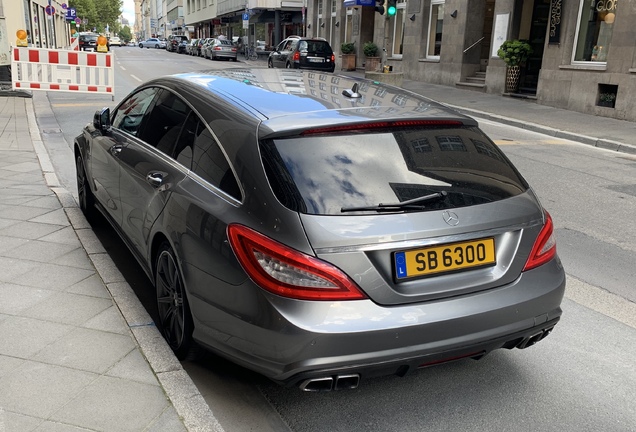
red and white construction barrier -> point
(51, 69)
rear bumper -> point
(292, 341)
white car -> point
(115, 41)
(153, 43)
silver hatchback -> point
(320, 229)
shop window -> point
(606, 95)
(435, 25)
(596, 22)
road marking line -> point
(135, 78)
(65, 105)
(122, 68)
(555, 141)
(599, 300)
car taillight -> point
(287, 272)
(333, 58)
(296, 56)
(544, 248)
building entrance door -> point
(538, 29)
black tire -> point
(157, 46)
(175, 318)
(84, 193)
(270, 63)
(288, 65)
(141, 45)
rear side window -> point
(210, 163)
(323, 174)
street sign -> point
(50, 10)
(246, 16)
(71, 14)
(78, 21)
(351, 3)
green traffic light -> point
(391, 10)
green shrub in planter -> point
(347, 48)
(514, 52)
(370, 49)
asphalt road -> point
(581, 378)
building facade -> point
(583, 56)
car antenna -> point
(353, 92)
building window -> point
(398, 29)
(435, 24)
(349, 26)
(594, 33)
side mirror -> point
(101, 119)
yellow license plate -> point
(444, 258)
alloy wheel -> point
(172, 304)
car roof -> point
(285, 100)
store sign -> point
(606, 5)
(554, 37)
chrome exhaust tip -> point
(317, 384)
(347, 382)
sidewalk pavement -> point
(77, 349)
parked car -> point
(204, 46)
(114, 41)
(174, 41)
(152, 43)
(88, 42)
(303, 53)
(220, 49)
(191, 48)
(200, 44)
(371, 238)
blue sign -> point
(246, 17)
(71, 14)
(351, 3)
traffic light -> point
(391, 7)
(379, 6)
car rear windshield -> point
(315, 47)
(323, 174)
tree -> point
(99, 13)
(125, 34)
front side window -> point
(129, 114)
(596, 22)
(435, 25)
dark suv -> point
(174, 41)
(303, 53)
(88, 42)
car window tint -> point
(130, 112)
(210, 163)
(184, 149)
(321, 175)
(162, 126)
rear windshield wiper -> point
(412, 204)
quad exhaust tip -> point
(337, 382)
(533, 339)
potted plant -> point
(372, 62)
(347, 50)
(514, 53)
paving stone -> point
(86, 349)
(130, 405)
(39, 390)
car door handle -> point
(115, 150)
(155, 179)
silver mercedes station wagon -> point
(321, 229)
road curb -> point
(176, 383)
